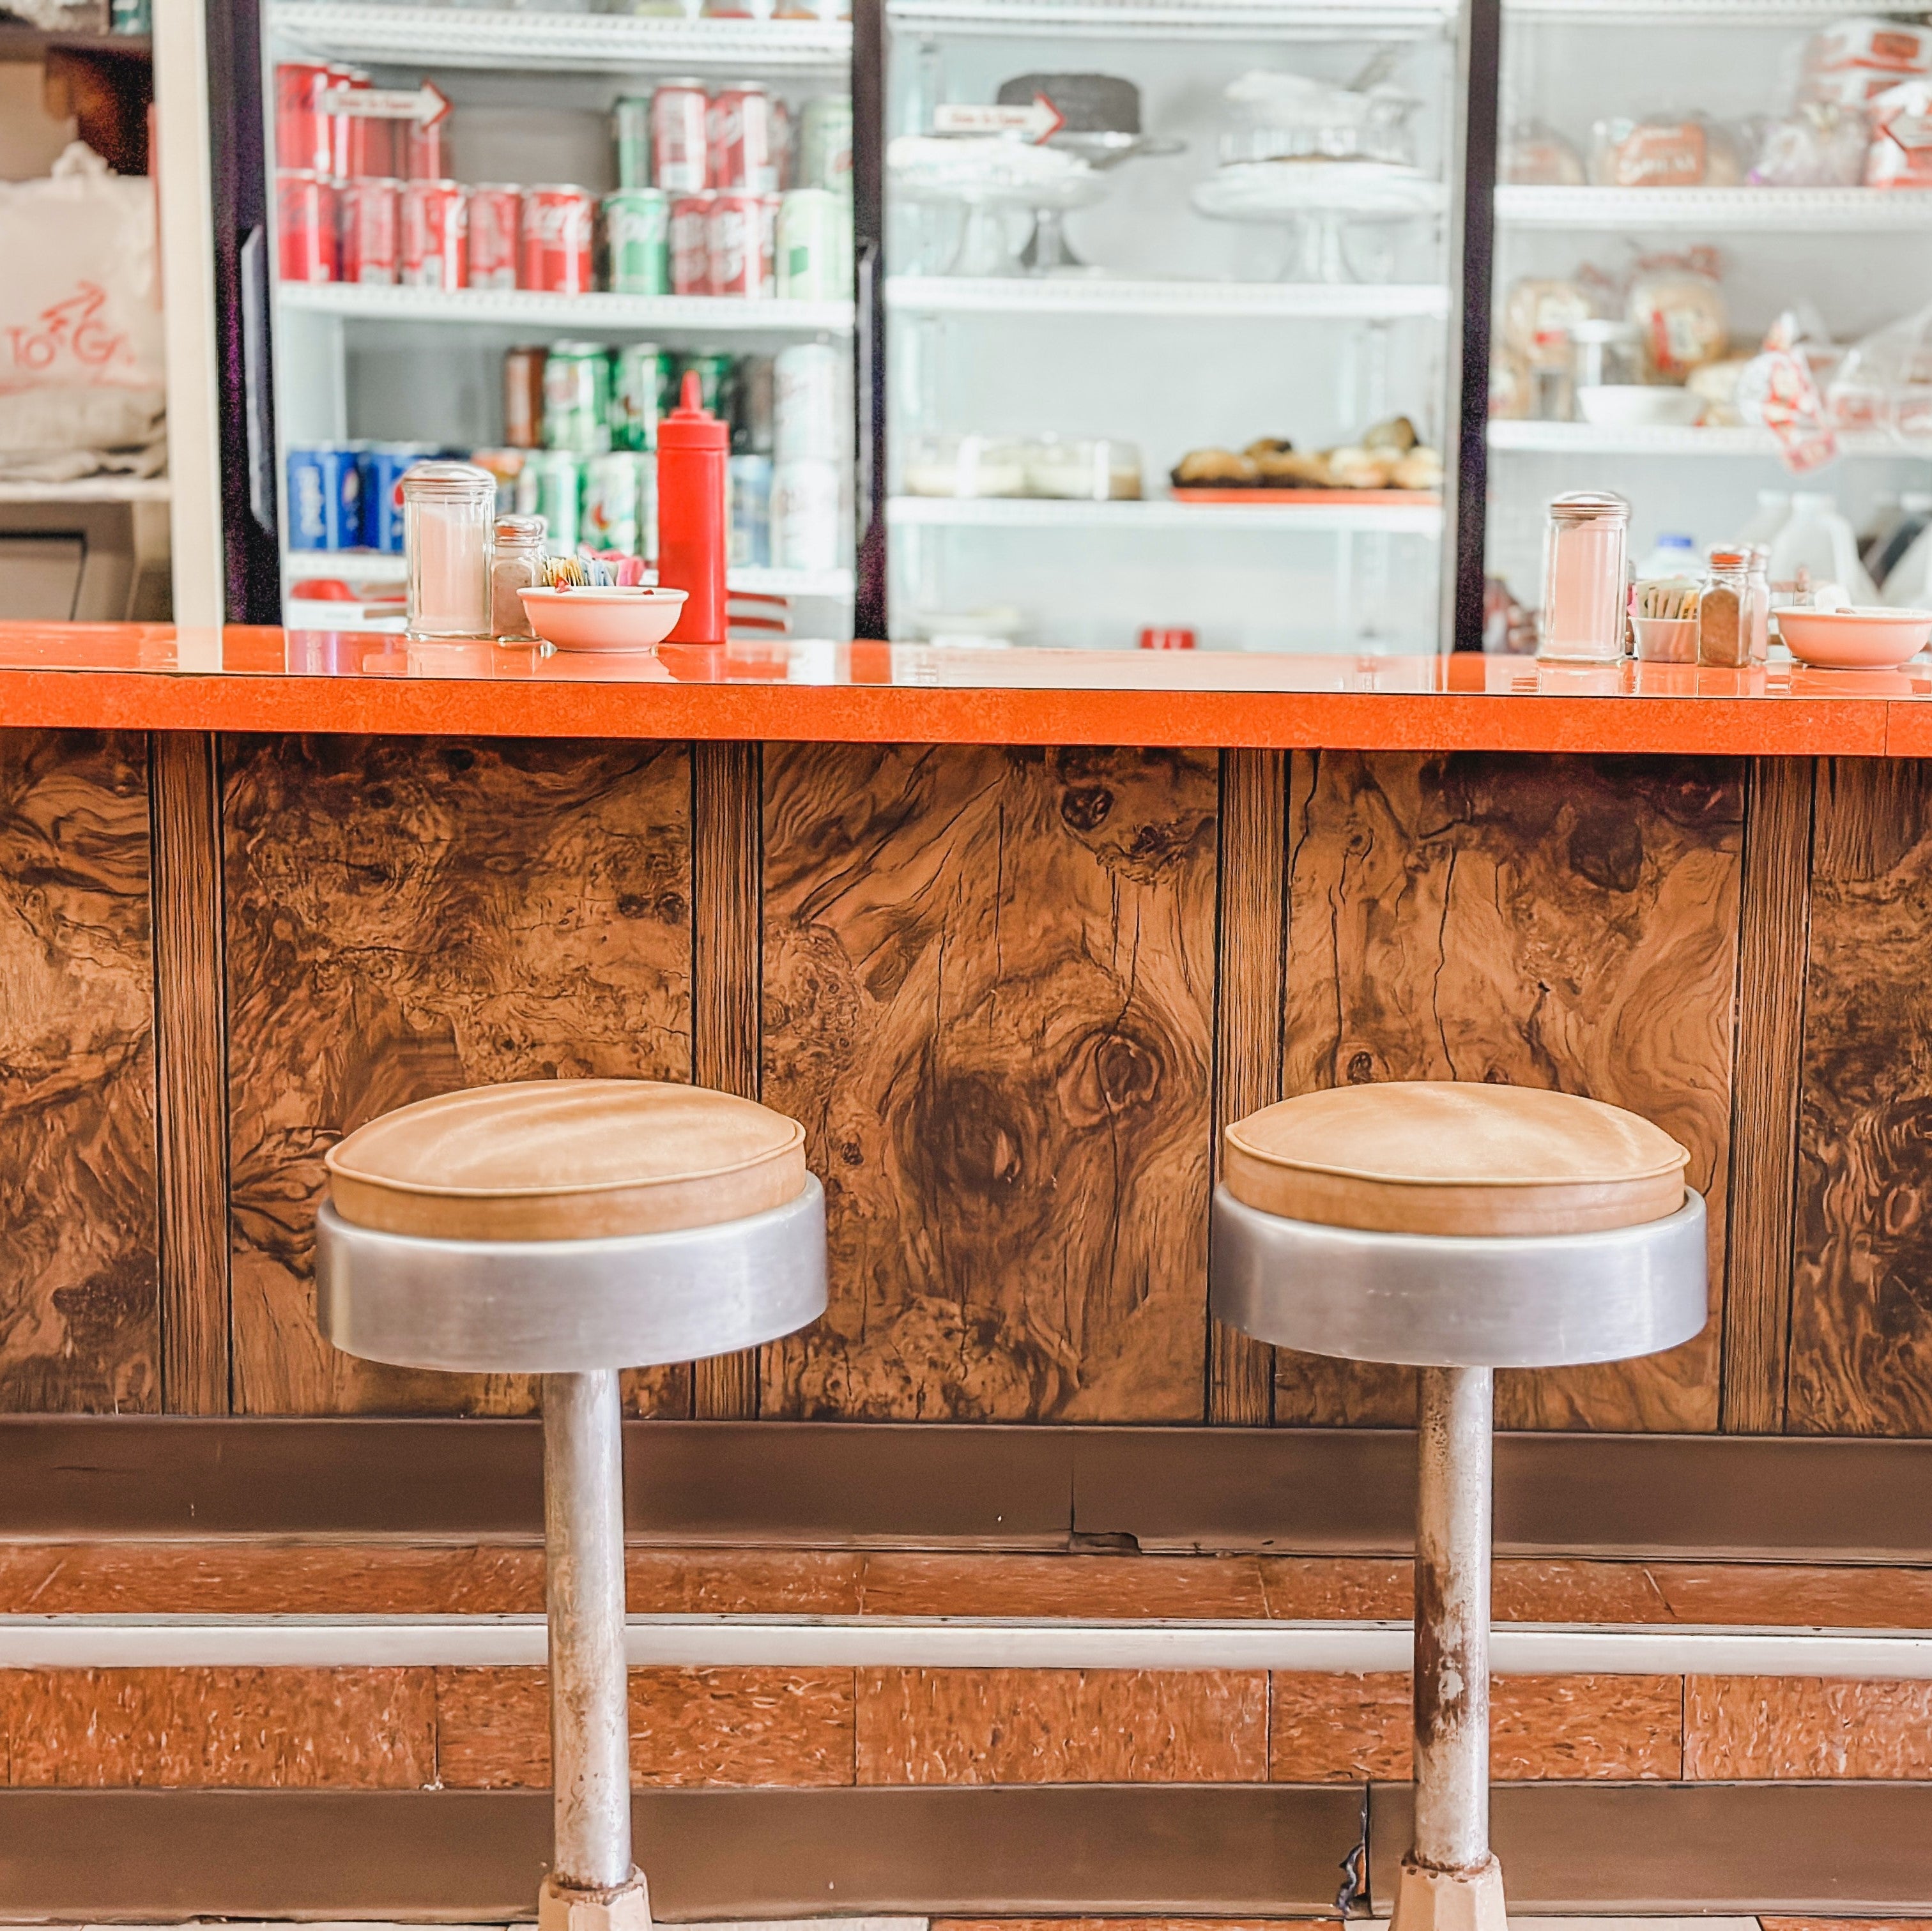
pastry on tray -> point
(1390, 455)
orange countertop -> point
(153, 677)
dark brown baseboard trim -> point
(1314, 1491)
(1231, 1851)
(1832, 1849)
(457, 1856)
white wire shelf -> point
(1783, 210)
(1161, 515)
(1100, 295)
(1171, 20)
(570, 42)
(87, 490)
(1683, 13)
(1587, 439)
(379, 566)
(535, 308)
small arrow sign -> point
(1037, 123)
(425, 105)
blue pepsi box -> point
(326, 510)
(382, 467)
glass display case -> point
(1703, 208)
(1167, 306)
(506, 233)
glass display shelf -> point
(539, 308)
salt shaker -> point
(448, 509)
(516, 563)
(1583, 578)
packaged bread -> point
(1676, 301)
(1670, 151)
(1715, 385)
(1815, 144)
(1869, 45)
(1536, 156)
(1511, 390)
(1900, 155)
(1537, 316)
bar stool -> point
(568, 1228)
(1460, 1228)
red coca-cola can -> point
(302, 131)
(360, 145)
(678, 137)
(492, 235)
(736, 244)
(371, 215)
(421, 157)
(557, 223)
(691, 244)
(436, 234)
(738, 135)
(1171, 637)
(305, 243)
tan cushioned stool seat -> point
(567, 1160)
(1429, 1156)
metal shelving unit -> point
(1105, 295)
(89, 489)
(534, 308)
(1717, 210)
(1565, 438)
(1275, 519)
(594, 43)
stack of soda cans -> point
(711, 201)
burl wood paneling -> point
(1861, 1360)
(79, 1296)
(1340, 1729)
(368, 1729)
(407, 917)
(988, 995)
(1061, 1726)
(688, 1726)
(1745, 1727)
(1567, 922)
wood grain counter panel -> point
(79, 1325)
(1861, 1356)
(406, 917)
(988, 995)
(1570, 923)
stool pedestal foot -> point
(591, 1871)
(1472, 1900)
(1454, 1421)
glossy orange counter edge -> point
(152, 677)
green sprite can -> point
(631, 130)
(550, 485)
(714, 380)
(641, 375)
(577, 397)
(611, 503)
(637, 236)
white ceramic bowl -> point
(1854, 639)
(577, 618)
(1638, 406)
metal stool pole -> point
(1456, 1409)
(584, 1595)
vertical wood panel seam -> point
(1251, 947)
(727, 878)
(1773, 949)
(191, 1071)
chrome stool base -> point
(1458, 1308)
(576, 1312)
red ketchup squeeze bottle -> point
(693, 447)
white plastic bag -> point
(78, 302)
